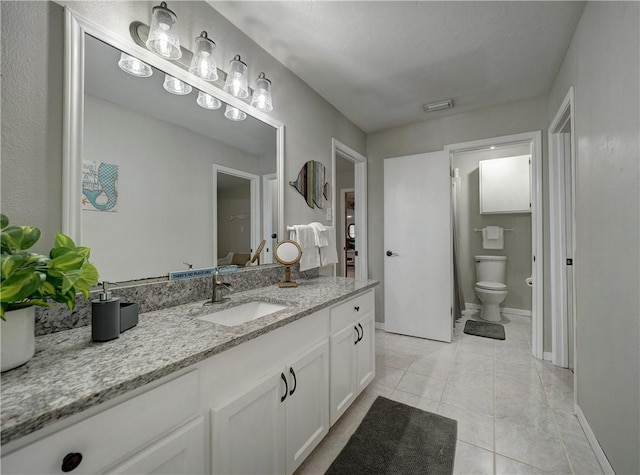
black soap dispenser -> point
(105, 316)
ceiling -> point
(378, 62)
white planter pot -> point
(18, 338)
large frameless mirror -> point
(166, 184)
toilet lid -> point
(491, 286)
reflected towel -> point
(320, 230)
(329, 253)
(305, 235)
(493, 243)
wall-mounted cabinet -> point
(505, 185)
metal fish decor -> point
(310, 184)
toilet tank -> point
(491, 268)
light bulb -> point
(207, 101)
(175, 86)
(234, 114)
(134, 66)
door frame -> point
(537, 303)
(268, 182)
(254, 185)
(558, 222)
(360, 190)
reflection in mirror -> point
(311, 184)
(163, 148)
(288, 253)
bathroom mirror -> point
(161, 150)
(310, 183)
(288, 253)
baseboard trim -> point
(547, 356)
(379, 325)
(512, 311)
(593, 441)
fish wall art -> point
(311, 184)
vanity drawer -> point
(353, 309)
(111, 436)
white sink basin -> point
(242, 313)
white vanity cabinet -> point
(153, 432)
(352, 349)
(272, 417)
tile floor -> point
(514, 413)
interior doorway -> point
(345, 162)
(562, 255)
(236, 223)
(533, 141)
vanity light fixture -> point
(234, 114)
(163, 38)
(236, 83)
(134, 66)
(203, 64)
(440, 105)
(175, 86)
(207, 101)
(261, 99)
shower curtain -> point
(458, 296)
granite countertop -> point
(70, 373)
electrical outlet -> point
(329, 214)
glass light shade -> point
(203, 64)
(207, 101)
(175, 86)
(236, 83)
(232, 113)
(134, 66)
(262, 94)
(163, 37)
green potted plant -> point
(29, 279)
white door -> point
(418, 246)
(247, 433)
(307, 404)
(180, 452)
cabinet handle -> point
(286, 387)
(362, 332)
(295, 382)
(357, 335)
(357, 308)
(71, 461)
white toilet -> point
(490, 285)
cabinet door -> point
(343, 371)
(365, 353)
(180, 452)
(247, 433)
(307, 404)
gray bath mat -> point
(487, 330)
(396, 439)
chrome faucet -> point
(219, 287)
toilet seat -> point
(491, 286)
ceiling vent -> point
(437, 106)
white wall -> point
(165, 200)
(602, 64)
(32, 63)
(430, 136)
(32, 51)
